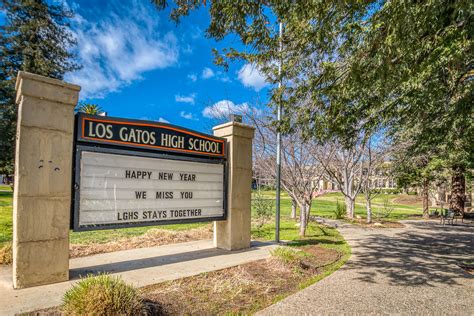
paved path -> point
(140, 267)
(410, 270)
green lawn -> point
(6, 225)
(103, 236)
(322, 206)
(98, 236)
(4, 187)
(326, 237)
(325, 205)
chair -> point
(448, 217)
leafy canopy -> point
(350, 66)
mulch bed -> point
(152, 238)
(242, 289)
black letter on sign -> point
(140, 195)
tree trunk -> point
(303, 220)
(308, 212)
(458, 189)
(293, 209)
(426, 198)
(368, 207)
(349, 207)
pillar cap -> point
(41, 87)
(234, 129)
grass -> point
(243, 289)
(250, 287)
(323, 206)
(102, 295)
(99, 236)
(288, 254)
(4, 187)
(6, 225)
(239, 290)
(326, 237)
(104, 236)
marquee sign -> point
(136, 173)
(148, 135)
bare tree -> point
(293, 208)
(344, 166)
(375, 157)
(300, 168)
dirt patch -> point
(238, 290)
(412, 200)
(6, 254)
(243, 289)
(152, 238)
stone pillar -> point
(43, 167)
(234, 233)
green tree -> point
(350, 66)
(311, 52)
(416, 170)
(317, 38)
(34, 38)
(417, 61)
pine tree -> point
(35, 38)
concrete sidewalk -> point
(406, 271)
(140, 267)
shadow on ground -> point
(424, 253)
(148, 262)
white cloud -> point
(207, 73)
(192, 77)
(187, 115)
(224, 108)
(223, 78)
(185, 99)
(196, 32)
(119, 47)
(187, 49)
(251, 77)
(162, 120)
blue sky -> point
(139, 64)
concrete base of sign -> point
(42, 195)
(139, 267)
(234, 233)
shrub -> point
(6, 254)
(384, 211)
(288, 254)
(103, 295)
(340, 210)
(263, 209)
